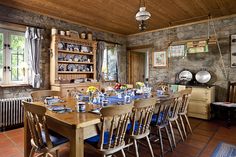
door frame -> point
(133, 48)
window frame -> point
(7, 59)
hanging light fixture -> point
(142, 15)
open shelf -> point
(76, 52)
(74, 72)
(74, 62)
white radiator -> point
(12, 113)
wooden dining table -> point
(76, 126)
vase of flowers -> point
(139, 85)
(91, 90)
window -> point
(13, 59)
(109, 66)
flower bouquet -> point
(139, 85)
(91, 90)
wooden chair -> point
(173, 116)
(186, 94)
(130, 86)
(141, 119)
(114, 121)
(43, 141)
(232, 92)
(42, 94)
(224, 106)
(160, 121)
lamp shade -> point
(142, 14)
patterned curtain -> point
(99, 59)
(33, 46)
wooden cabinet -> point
(66, 88)
(72, 59)
(201, 98)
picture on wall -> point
(233, 51)
(176, 51)
(159, 59)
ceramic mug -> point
(53, 31)
(82, 35)
(68, 33)
(62, 32)
(90, 36)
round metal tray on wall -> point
(185, 75)
(203, 76)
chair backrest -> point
(115, 120)
(130, 86)
(232, 92)
(186, 94)
(162, 112)
(142, 115)
(161, 86)
(174, 108)
(36, 121)
(42, 94)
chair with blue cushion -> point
(173, 116)
(114, 122)
(183, 110)
(141, 119)
(160, 121)
(43, 141)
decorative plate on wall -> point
(60, 46)
(233, 51)
(71, 67)
(185, 75)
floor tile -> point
(202, 143)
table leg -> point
(27, 145)
(77, 143)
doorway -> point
(138, 65)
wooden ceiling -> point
(119, 15)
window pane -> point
(109, 66)
(1, 56)
(17, 43)
(112, 62)
(104, 65)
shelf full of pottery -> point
(72, 58)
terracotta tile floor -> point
(206, 135)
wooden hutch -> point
(72, 61)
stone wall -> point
(27, 18)
(210, 61)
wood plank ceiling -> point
(118, 15)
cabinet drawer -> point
(200, 94)
(200, 108)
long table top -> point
(80, 119)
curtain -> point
(33, 46)
(99, 59)
(118, 52)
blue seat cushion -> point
(129, 127)
(157, 119)
(95, 139)
(56, 138)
